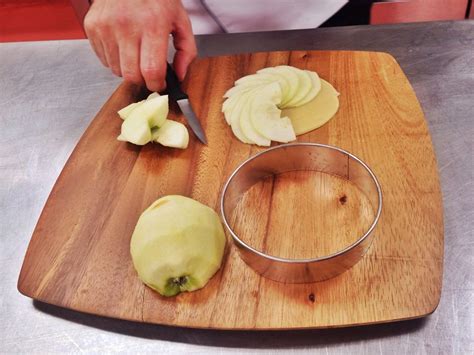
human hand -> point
(131, 38)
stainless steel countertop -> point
(49, 93)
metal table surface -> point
(49, 93)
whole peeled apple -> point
(177, 245)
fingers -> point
(186, 51)
(153, 53)
(94, 40)
(103, 42)
(98, 50)
(112, 55)
(129, 58)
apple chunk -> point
(171, 134)
(137, 127)
(127, 110)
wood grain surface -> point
(79, 258)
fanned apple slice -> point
(315, 113)
(171, 134)
(315, 88)
(285, 74)
(234, 118)
(304, 87)
(265, 115)
(246, 125)
(266, 119)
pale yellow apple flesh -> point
(177, 245)
(265, 116)
(137, 126)
(127, 110)
(171, 134)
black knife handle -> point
(172, 84)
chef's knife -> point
(174, 91)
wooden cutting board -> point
(78, 256)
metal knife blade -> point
(173, 88)
(193, 121)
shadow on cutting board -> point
(236, 338)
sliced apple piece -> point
(171, 134)
(265, 115)
(304, 87)
(152, 95)
(136, 131)
(136, 128)
(154, 111)
(315, 88)
(315, 113)
(247, 127)
(266, 119)
(285, 75)
(127, 110)
(234, 118)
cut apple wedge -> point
(152, 95)
(136, 128)
(154, 111)
(136, 131)
(127, 110)
(171, 134)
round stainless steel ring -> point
(297, 157)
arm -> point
(131, 38)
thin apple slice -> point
(171, 134)
(315, 88)
(315, 113)
(246, 125)
(285, 75)
(304, 87)
(266, 119)
(233, 117)
(249, 130)
(265, 115)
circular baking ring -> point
(301, 157)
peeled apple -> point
(177, 245)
